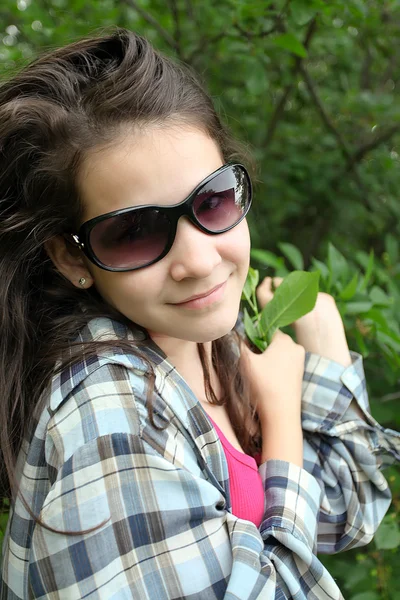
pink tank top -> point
(246, 488)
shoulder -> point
(99, 392)
(110, 392)
(97, 365)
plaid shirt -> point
(156, 501)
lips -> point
(201, 295)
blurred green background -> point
(313, 88)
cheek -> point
(127, 291)
(237, 247)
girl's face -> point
(162, 166)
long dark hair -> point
(51, 113)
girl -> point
(134, 407)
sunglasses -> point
(136, 237)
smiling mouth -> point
(214, 296)
(196, 297)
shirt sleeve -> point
(149, 523)
(345, 449)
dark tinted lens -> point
(132, 239)
(223, 201)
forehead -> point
(153, 166)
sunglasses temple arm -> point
(75, 241)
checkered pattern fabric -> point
(150, 506)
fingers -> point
(280, 341)
(284, 345)
(280, 336)
(265, 291)
(284, 340)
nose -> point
(194, 253)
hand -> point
(321, 331)
(275, 379)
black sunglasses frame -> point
(173, 213)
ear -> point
(69, 260)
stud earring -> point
(82, 281)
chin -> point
(214, 329)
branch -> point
(388, 73)
(278, 25)
(177, 25)
(250, 35)
(284, 9)
(390, 397)
(152, 21)
(365, 75)
(50, 12)
(323, 114)
(280, 107)
(190, 11)
(277, 114)
(385, 136)
(204, 44)
(334, 131)
(325, 218)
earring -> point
(82, 281)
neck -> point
(184, 356)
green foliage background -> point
(313, 88)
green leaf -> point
(368, 273)
(256, 81)
(363, 258)
(295, 297)
(301, 13)
(390, 339)
(376, 316)
(361, 344)
(350, 289)
(261, 344)
(255, 277)
(379, 297)
(270, 334)
(392, 248)
(288, 41)
(3, 521)
(321, 267)
(293, 255)
(250, 285)
(246, 292)
(338, 266)
(365, 596)
(267, 258)
(250, 328)
(387, 536)
(356, 308)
